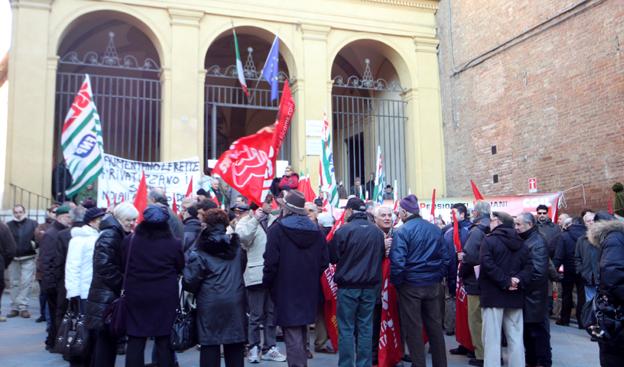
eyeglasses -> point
(542, 213)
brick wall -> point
(552, 104)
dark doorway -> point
(355, 152)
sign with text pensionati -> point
(120, 178)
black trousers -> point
(611, 355)
(104, 349)
(376, 331)
(135, 355)
(52, 298)
(537, 343)
(567, 303)
(234, 355)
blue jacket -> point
(418, 255)
(464, 229)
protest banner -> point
(120, 178)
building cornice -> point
(185, 17)
(32, 4)
(419, 4)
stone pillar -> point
(31, 83)
(181, 133)
(425, 154)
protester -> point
(290, 180)
(505, 271)
(217, 194)
(419, 261)
(565, 245)
(39, 231)
(535, 311)
(607, 235)
(342, 191)
(192, 226)
(108, 273)
(157, 196)
(357, 189)
(357, 249)
(7, 253)
(49, 281)
(295, 257)
(388, 193)
(586, 259)
(618, 202)
(546, 227)
(22, 268)
(470, 259)
(214, 273)
(370, 185)
(202, 195)
(261, 317)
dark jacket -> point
(24, 235)
(175, 225)
(549, 230)
(464, 230)
(472, 250)
(155, 259)
(358, 250)
(608, 237)
(418, 255)
(565, 245)
(60, 257)
(295, 257)
(192, 228)
(536, 291)
(107, 271)
(503, 255)
(7, 247)
(214, 273)
(586, 261)
(48, 255)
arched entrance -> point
(368, 111)
(229, 113)
(124, 68)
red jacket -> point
(289, 182)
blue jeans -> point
(355, 316)
(590, 292)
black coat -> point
(536, 291)
(549, 231)
(48, 257)
(24, 235)
(192, 228)
(586, 261)
(295, 257)
(565, 246)
(608, 236)
(503, 255)
(7, 247)
(214, 273)
(358, 250)
(155, 258)
(58, 268)
(107, 271)
(472, 249)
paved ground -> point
(21, 345)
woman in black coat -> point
(107, 280)
(214, 273)
(155, 258)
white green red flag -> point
(380, 179)
(81, 140)
(326, 166)
(240, 71)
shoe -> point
(459, 351)
(254, 355)
(407, 358)
(25, 314)
(470, 355)
(475, 362)
(450, 333)
(562, 323)
(272, 354)
(13, 313)
(40, 319)
(2, 318)
(309, 354)
(327, 348)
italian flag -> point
(379, 178)
(326, 166)
(239, 67)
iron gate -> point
(366, 116)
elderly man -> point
(418, 263)
(295, 257)
(157, 196)
(357, 249)
(535, 311)
(586, 259)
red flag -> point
(189, 189)
(390, 343)
(433, 206)
(249, 165)
(456, 240)
(476, 192)
(174, 205)
(610, 206)
(306, 188)
(462, 331)
(140, 200)
(214, 198)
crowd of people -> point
(252, 272)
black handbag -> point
(116, 313)
(602, 319)
(184, 329)
(72, 337)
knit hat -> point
(93, 213)
(618, 204)
(202, 192)
(62, 210)
(356, 204)
(603, 216)
(295, 202)
(410, 204)
(156, 213)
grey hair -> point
(527, 218)
(158, 196)
(125, 210)
(77, 214)
(377, 209)
(483, 207)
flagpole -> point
(261, 71)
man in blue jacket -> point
(418, 263)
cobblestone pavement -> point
(21, 345)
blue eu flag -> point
(269, 71)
